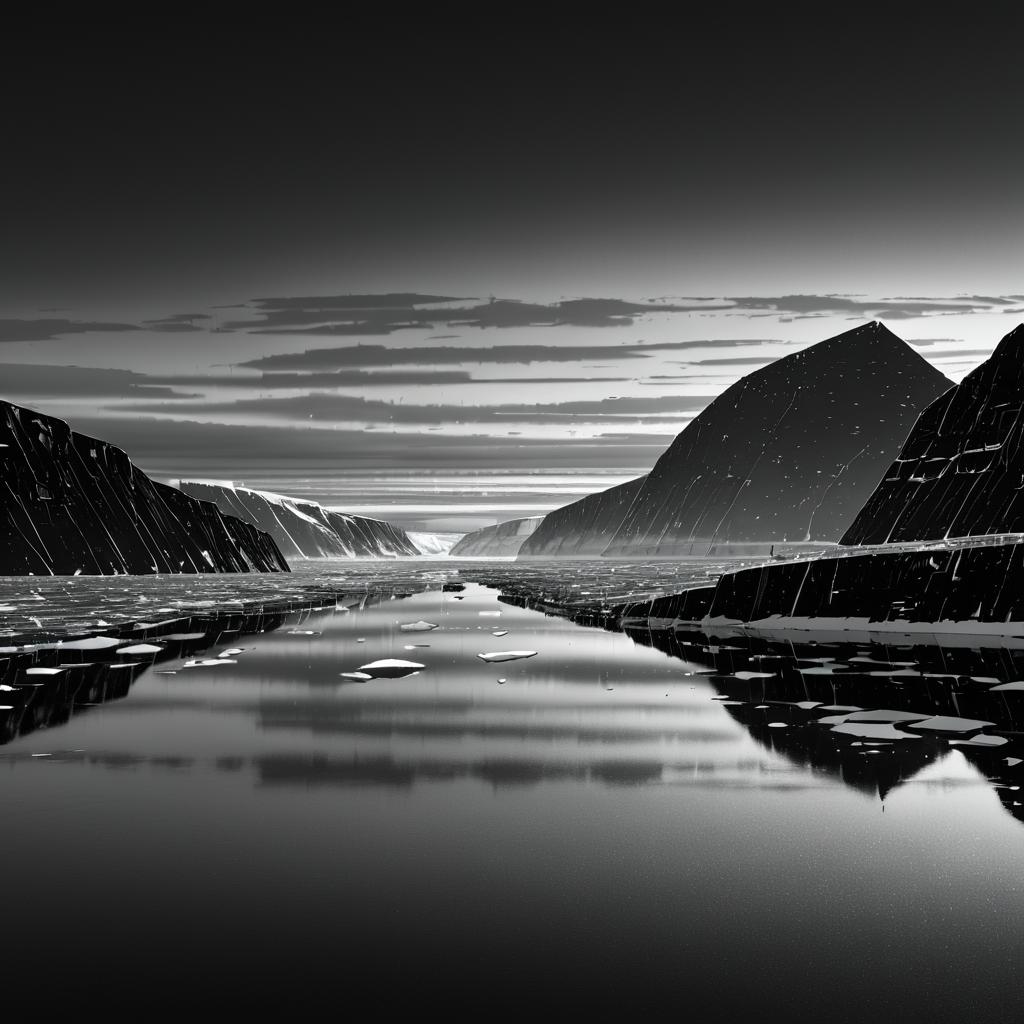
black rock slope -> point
(305, 529)
(787, 454)
(74, 504)
(585, 527)
(961, 471)
(503, 540)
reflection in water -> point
(622, 822)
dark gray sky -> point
(193, 206)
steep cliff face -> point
(502, 540)
(305, 529)
(960, 473)
(74, 504)
(585, 527)
(787, 454)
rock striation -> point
(305, 529)
(72, 504)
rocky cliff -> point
(74, 504)
(305, 529)
(960, 473)
(787, 455)
(503, 540)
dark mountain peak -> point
(959, 472)
(869, 346)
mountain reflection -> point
(596, 707)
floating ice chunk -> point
(950, 724)
(981, 740)
(91, 643)
(141, 649)
(806, 705)
(208, 662)
(1017, 684)
(754, 675)
(184, 636)
(490, 614)
(304, 632)
(873, 731)
(885, 715)
(506, 655)
(232, 651)
(778, 725)
(984, 679)
(1012, 762)
(391, 668)
(8, 608)
(39, 671)
(360, 676)
(500, 632)
(420, 626)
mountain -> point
(937, 548)
(435, 543)
(73, 504)
(787, 455)
(585, 527)
(960, 473)
(503, 540)
(305, 529)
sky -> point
(452, 271)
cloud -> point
(891, 309)
(382, 355)
(185, 447)
(327, 379)
(960, 352)
(383, 314)
(356, 409)
(177, 322)
(737, 360)
(26, 379)
(16, 329)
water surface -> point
(621, 824)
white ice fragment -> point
(141, 649)
(420, 626)
(43, 671)
(873, 731)
(490, 614)
(950, 724)
(391, 668)
(500, 632)
(753, 675)
(506, 655)
(356, 675)
(778, 725)
(208, 662)
(304, 632)
(92, 643)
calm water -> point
(613, 828)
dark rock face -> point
(787, 454)
(305, 529)
(974, 584)
(502, 540)
(960, 473)
(72, 503)
(585, 527)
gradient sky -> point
(189, 209)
